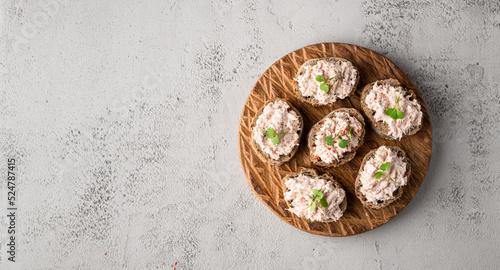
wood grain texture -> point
(266, 179)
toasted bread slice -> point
(310, 99)
(348, 156)
(283, 158)
(313, 173)
(381, 127)
(397, 193)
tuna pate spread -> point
(338, 127)
(344, 79)
(384, 96)
(383, 188)
(278, 116)
(299, 198)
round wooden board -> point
(266, 180)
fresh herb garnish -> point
(324, 83)
(394, 113)
(329, 140)
(342, 143)
(317, 198)
(271, 134)
(383, 170)
(349, 134)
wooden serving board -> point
(266, 180)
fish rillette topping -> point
(340, 77)
(300, 197)
(342, 126)
(284, 123)
(390, 177)
(383, 97)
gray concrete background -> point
(123, 118)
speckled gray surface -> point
(123, 119)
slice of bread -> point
(313, 173)
(284, 158)
(397, 193)
(348, 156)
(312, 100)
(381, 127)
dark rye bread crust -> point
(283, 158)
(312, 173)
(381, 127)
(397, 193)
(312, 100)
(348, 156)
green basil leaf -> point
(324, 87)
(399, 114)
(323, 202)
(270, 133)
(389, 111)
(329, 140)
(343, 143)
(313, 205)
(276, 140)
(394, 114)
(385, 166)
(319, 78)
(378, 175)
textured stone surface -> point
(123, 116)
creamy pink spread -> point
(340, 124)
(299, 190)
(277, 116)
(384, 96)
(340, 87)
(382, 188)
